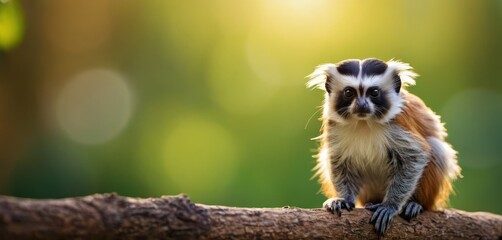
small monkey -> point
(380, 145)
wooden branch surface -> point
(109, 216)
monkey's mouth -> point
(362, 115)
(362, 111)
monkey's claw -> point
(382, 217)
(372, 207)
(411, 210)
(337, 204)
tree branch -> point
(110, 216)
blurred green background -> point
(208, 98)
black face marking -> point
(343, 102)
(373, 66)
(397, 83)
(327, 85)
(381, 103)
(349, 68)
(361, 90)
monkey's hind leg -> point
(411, 209)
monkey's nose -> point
(362, 106)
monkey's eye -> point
(374, 92)
(348, 92)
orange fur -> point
(434, 187)
(418, 118)
(327, 187)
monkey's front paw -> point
(382, 217)
(411, 210)
(337, 204)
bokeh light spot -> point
(263, 63)
(200, 157)
(11, 24)
(94, 106)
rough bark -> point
(110, 216)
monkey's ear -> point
(396, 82)
(322, 77)
(402, 74)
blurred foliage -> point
(11, 24)
(218, 104)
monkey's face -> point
(362, 89)
(362, 102)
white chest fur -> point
(363, 145)
(361, 141)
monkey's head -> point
(366, 89)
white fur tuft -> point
(319, 76)
(444, 157)
(404, 70)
